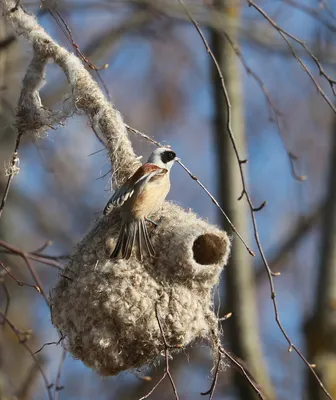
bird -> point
(139, 197)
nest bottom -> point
(110, 317)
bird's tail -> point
(131, 233)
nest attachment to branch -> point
(111, 310)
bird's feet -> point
(151, 221)
(156, 224)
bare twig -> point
(49, 344)
(243, 371)
(285, 35)
(18, 281)
(30, 267)
(7, 299)
(43, 259)
(43, 247)
(211, 391)
(154, 387)
(13, 169)
(218, 205)
(58, 387)
(68, 34)
(48, 259)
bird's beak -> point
(177, 159)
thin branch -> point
(30, 267)
(218, 206)
(285, 35)
(46, 257)
(243, 371)
(13, 170)
(18, 281)
(68, 34)
(154, 387)
(43, 259)
(49, 344)
(43, 247)
(58, 387)
(7, 299)
(211, 391)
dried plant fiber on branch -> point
(107, 308)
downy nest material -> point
(111, 310)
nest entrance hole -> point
(208, 249)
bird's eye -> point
(167, 156)
(172, 155)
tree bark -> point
(320, 330)
(239, 278)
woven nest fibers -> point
(111, 311)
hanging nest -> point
(112, 311)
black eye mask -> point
(167, 156)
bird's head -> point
(163, 157)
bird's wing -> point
(136, 182)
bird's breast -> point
(151, 198)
